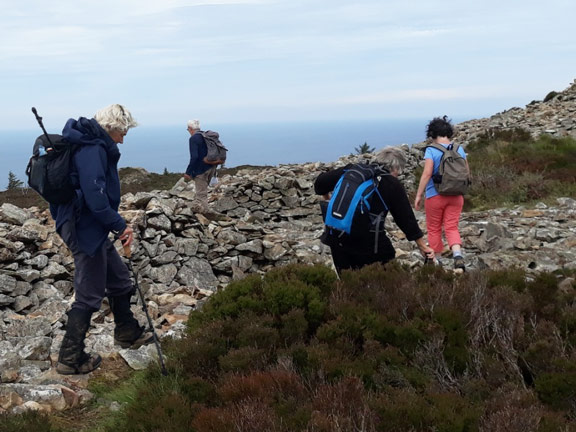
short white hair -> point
(391, 158)
(115, 118)
(194, 124)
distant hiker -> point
(84, 224)
(367, 242)
(198, 170)
(442, 210)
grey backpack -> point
(216, 151)
(452, 177)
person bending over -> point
(362, 247)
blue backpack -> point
(352, 199)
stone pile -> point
(556, 117)
(267, 218)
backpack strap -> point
(379, 216)
(438, 147)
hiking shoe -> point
(145, 338)
(433, 262)
(89, 363)
(459, 263)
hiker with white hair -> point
(198, 170)
(365, 241)
(84, 224)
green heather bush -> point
(293, 327)
(558, 389)
(199, 390)
(456, 339)
(509, 167)
(514, 278)
(243, 359)
(384, 349)
(544, 292)
(278, 293)
(404, 410)
(27, 422)
(567, 324)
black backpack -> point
(351, 204)
(216, 151)
(49, 167)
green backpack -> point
(452, 176)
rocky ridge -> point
(271, 218)
(556, 117)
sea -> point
(162, 148)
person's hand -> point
(417, 202)
(427, 252)
(187, 177)
(326, 196)
(126, 236)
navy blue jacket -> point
(198, 152)
(95, 172)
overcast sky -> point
(276, 60)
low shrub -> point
(386, 348)
(29, 421)
(404, 410)
(557, 389)
(509, 167)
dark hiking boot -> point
(72, 359)
(128, 333)
(88, 363)
(459, 264)
(145, 338)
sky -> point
(238, 61)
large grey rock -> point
(27, 326)
(197, 272)
(15, 215)
(34, 348)
(163, 274)
(54, 271)
(7, 284)
(139, 359)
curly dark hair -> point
(440, 127)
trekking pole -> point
(39, 120)
(128, 255)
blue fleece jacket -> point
(198, 152)
(95, 172)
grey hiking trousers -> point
(103, 274)
(201, 183)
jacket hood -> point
(86, 132)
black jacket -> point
(361, 239)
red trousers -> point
(443, 212)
